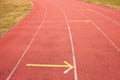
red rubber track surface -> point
(56, 31)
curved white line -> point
(27, 48)
(72, 45)
(105, 17)
(104, 34)
(109, 18)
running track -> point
(85, 35)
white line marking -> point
(72, 45)
(105, 16)
(115, 46)
(27, 48)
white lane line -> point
(27, 48)
(105, 16)
(104, 34)
(72, 46)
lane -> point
(51, 46)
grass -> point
(11, 12)
(110, 3)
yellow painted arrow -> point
(66, 64)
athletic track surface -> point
(86, 36)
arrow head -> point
(69, 67)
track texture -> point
(83, 34)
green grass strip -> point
(11, 12)
(110, 3)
